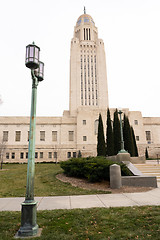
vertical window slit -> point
(87, 33)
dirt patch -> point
(103, 186)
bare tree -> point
(2, 151)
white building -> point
(59, 138)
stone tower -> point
(88, 78)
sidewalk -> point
(86, 201)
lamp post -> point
(29, 225)
(121, 129)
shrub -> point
(93, 168)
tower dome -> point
(85, 19)
(85, 29)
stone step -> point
(151, 174)
(146, 170)
(149, 169)
(147, 164)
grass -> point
(90, 224)
(13, 181)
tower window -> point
(89, 34)
(84, 33)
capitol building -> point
(60, 138)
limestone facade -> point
(59, 138)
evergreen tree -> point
(146, 154)
(134, 143)
(109, 136)
(79, 154)
(127, 135)
(101, 150)
(116, 133)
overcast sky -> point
(130, 30)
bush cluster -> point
(95, 169)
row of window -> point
(70, 134)
(42, 135)
(87, 47)
(148, 136)
(38, 155)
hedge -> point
(95, 169)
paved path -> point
(86, 201)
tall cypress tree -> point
(116, 133)
(146, 154)
(101, 150)
(109, 136)
(134, 143)
(128, 140)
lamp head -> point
(32, 56)
(39, 72)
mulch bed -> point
(103, 186)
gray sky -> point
(130, 30)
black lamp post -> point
(29, 225)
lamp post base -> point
(123, 156)
(29, 225)
(122, 151)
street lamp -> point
(121, 129)
(29, 225)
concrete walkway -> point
(86, 201)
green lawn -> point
(90, 224)
(13, 181)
